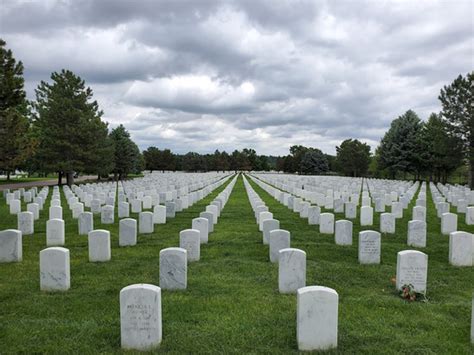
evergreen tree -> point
(16, 142)
(353, 157)
(458, 109)
(68, 126)
(314, 162)
(126, 153)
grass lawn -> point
(232, 304)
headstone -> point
(338, 205)
(190, 240)
(369, 247)
(55, 212)
(11, 246)
(85, 223)
(96, 206)
(268, 226)
(419, 213)
(350, 210)
(461, 246)
(470, 216)
(262, 217)
(412, 269)
(449, 223)
(99, 245)
(33, 208)
(26, 223)
(77, 209)
(54, 269)
(417, 234)
(343, 235)
(107, 215)
(145, 223)
(170, 209)
(313, 215)
(291, 270)
(173, 268)
(397, 209)
(366, 216)
(140, 317)
(387, 223)
(326, 223)
(127, 232)
(136, 206)
(201, 224)
(317, 317)
(379, 205)
(55, 232)
(15, 206)
(147, 202)
(279, 239)
(159, 214)
(442, 207)
(215, 212)
(210, 218)
(123, 209)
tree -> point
(68, 125)
(443, 151)
(126, 153)
(16, 142)
(152, 158)
(400, 147)
(353, 157)
(458, 109)
(314, 162)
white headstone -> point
(417, 234)
(317, 318)
(419, 213)
(210, 218)
(387, 223)
(54, 269)
(461, 246)
(26, 223)
(366, 216)
(11, 247)
(326, 223)
(190, 240)
(201, 224)
(159, 214)
(99, 245)
(262, 217)
(279, 239)
(369, 247)
(123, 209)
(170, 209)
(291, 270)
(127, 232)
(173, 268)
(55, 212)
(77, 209)
(145, 223)
(15, 206)
(350, 210)
(107, 215)
(313, 215)
(85, 223)
(412, 269)
(268, 226)
(140, 317)
(470, 216)
(343, 235)
(449, 223)
(136, 206)
(33, 208)
(55, 232)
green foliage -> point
(15, 136)
(68, 126)
(314, 162)
(353, 158)
(156, 159)
(458, 109)
(400, 148)
(127, 157)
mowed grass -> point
(232, 304)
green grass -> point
(232, 304)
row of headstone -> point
(317, 307)
(140, 304)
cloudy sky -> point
(203, 75)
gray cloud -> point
(206, 75)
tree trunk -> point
(98, 177)
(8, 175)
(471, 171)
(70, 178)
(60, 178)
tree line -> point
(62, 132)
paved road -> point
(17, 185)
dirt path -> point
(53, 182)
